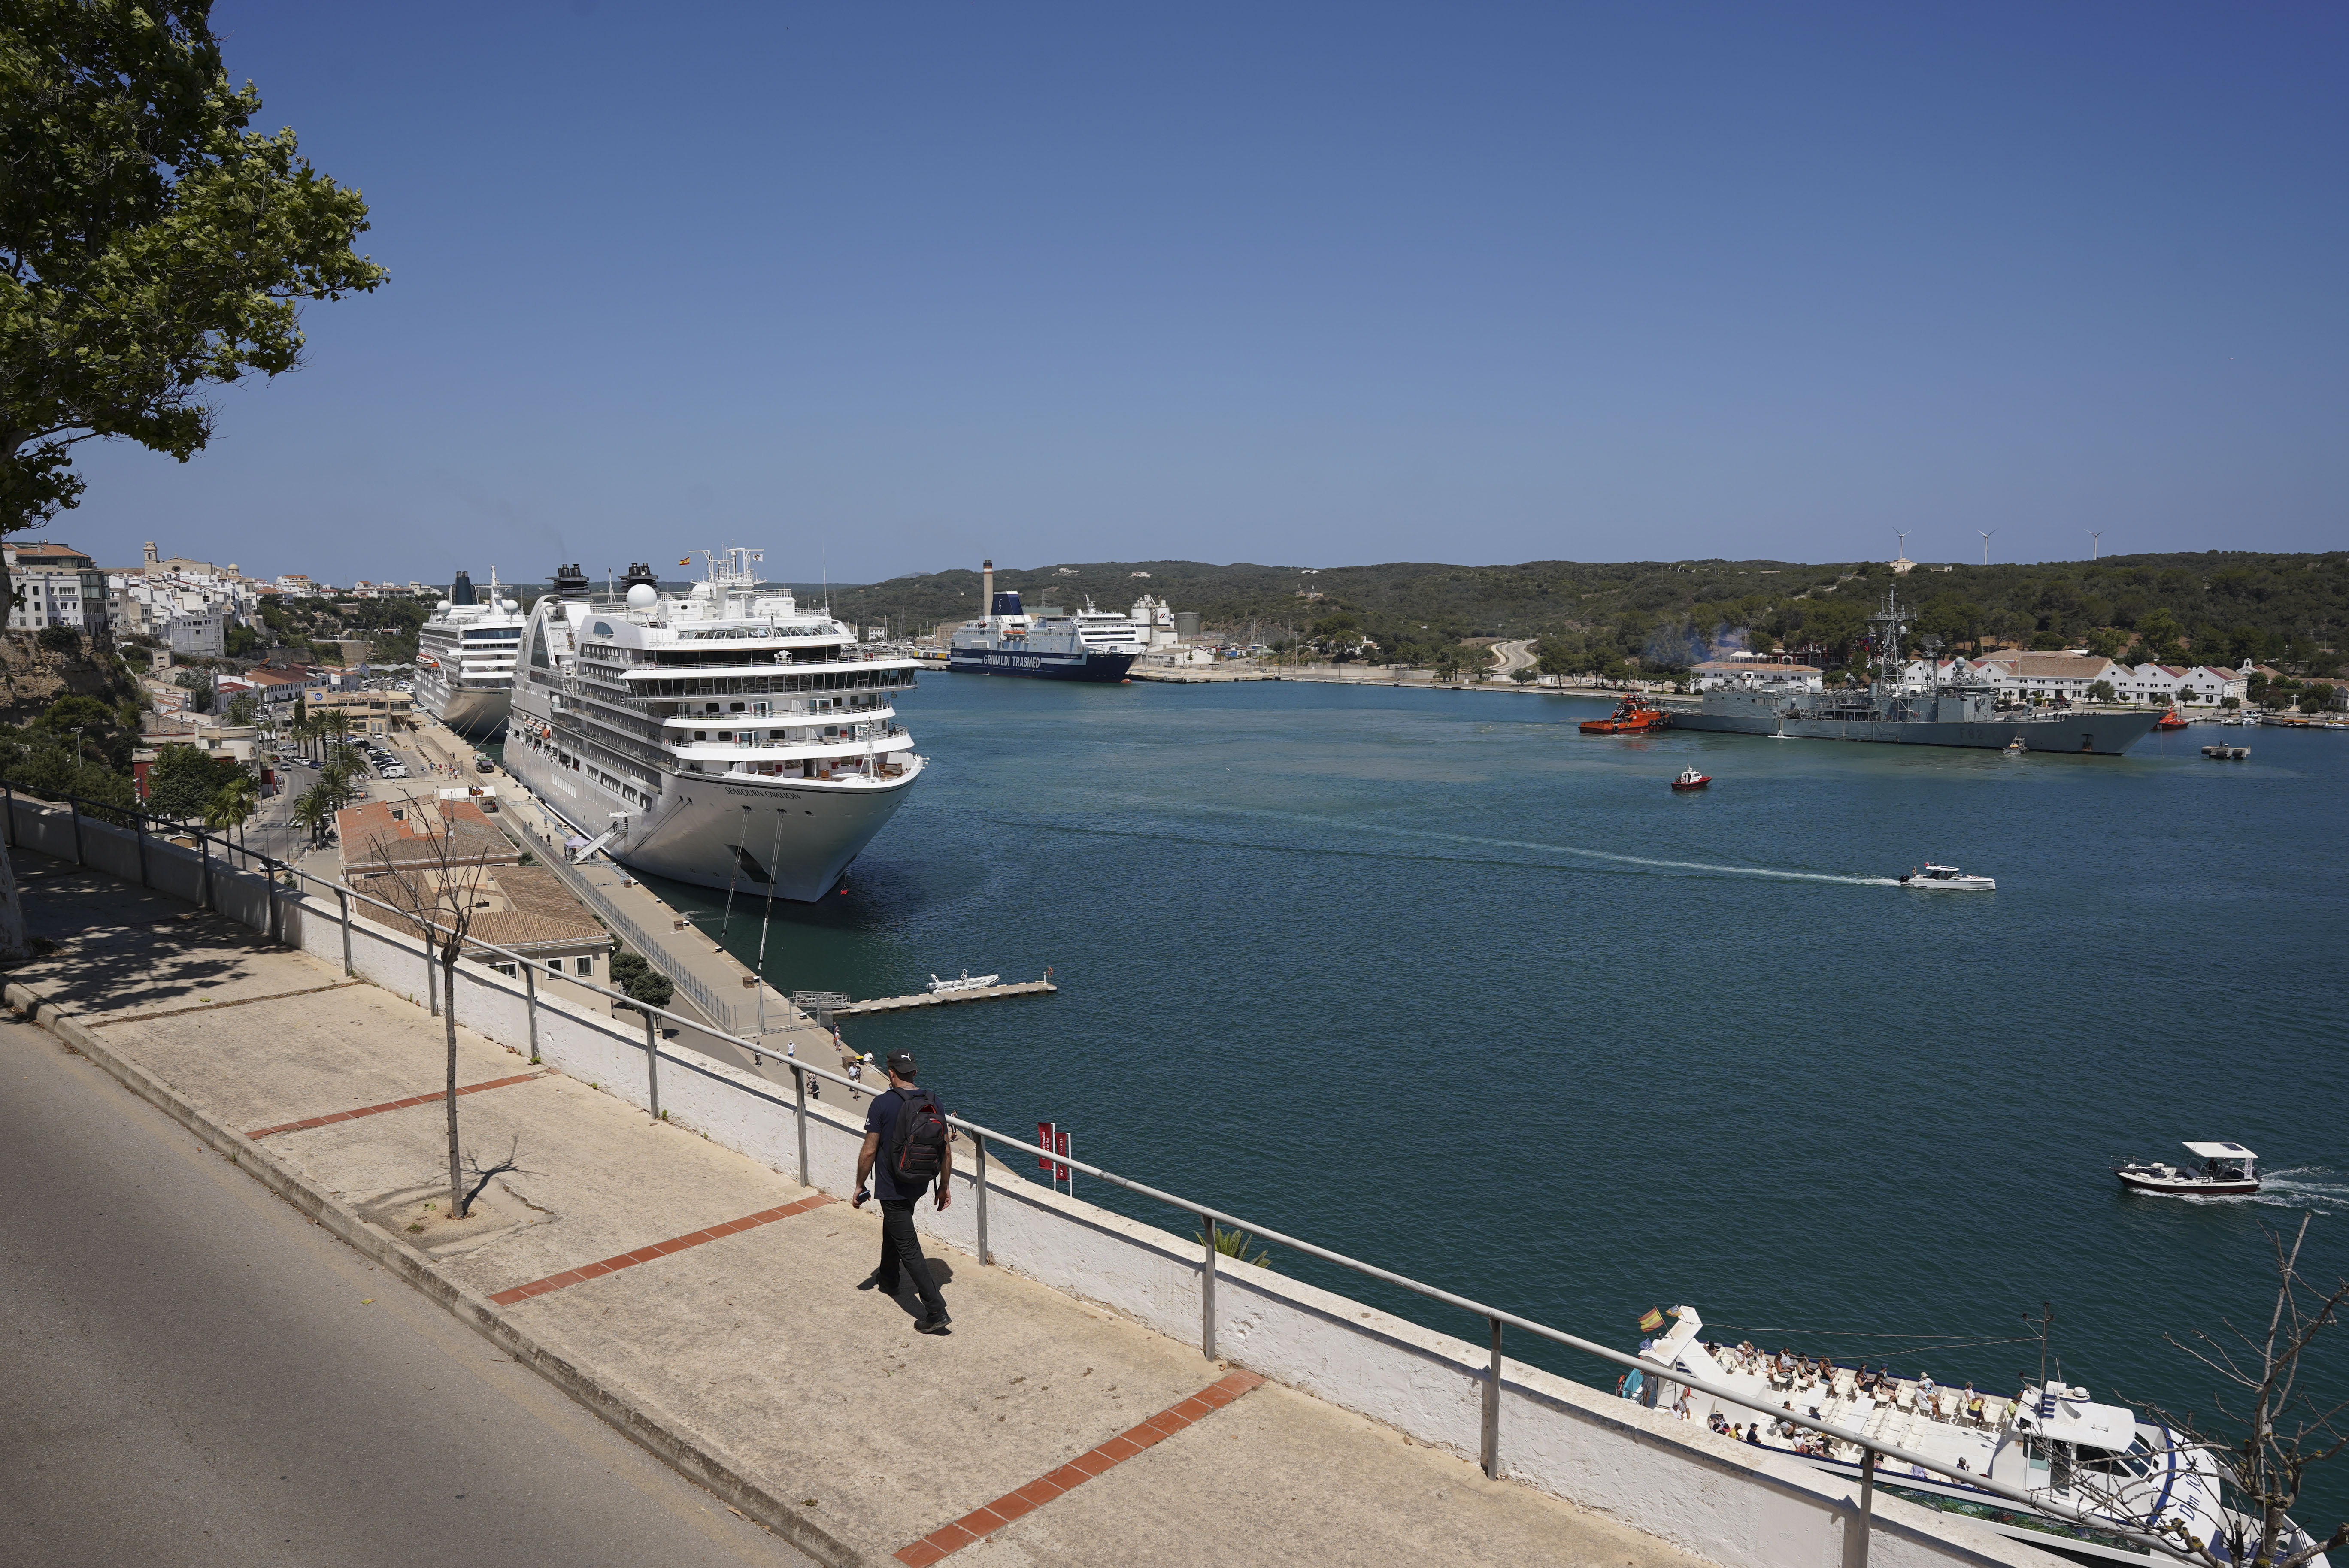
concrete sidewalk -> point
(710, 1302)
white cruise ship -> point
(723, 737)
(465, 658)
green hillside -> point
(2217, 606)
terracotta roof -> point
(2055, 666)
(405, 842)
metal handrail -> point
(1496, 1317)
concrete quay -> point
(704, 1303)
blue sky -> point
(890, 287)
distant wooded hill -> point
(2219, 605)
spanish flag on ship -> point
(1650, 1321)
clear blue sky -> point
(887, 287)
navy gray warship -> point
(1964, 710)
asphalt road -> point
(193, 1373)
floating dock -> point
(939, 998)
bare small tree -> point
(2278, 1430)
(435, 882)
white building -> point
(60, 587)
(158, 595)
(2044, 678)
(2153, 684)
(1753, 671)
(2206, 684)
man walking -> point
(905, 1137)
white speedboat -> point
(2050, 1440)
(966, 981)
(1941, 876)
(2217, 1169)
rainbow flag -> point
(1650, 1321)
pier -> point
(940, 998)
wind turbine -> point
(2095, 540)
(1902, 534)
(1985, 544)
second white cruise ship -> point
(723, 737)
(465, 658)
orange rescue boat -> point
(1632, 715)
(2170, 721)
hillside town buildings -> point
(55, 585)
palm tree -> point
(315, 809)
(233, 806)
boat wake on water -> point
(1609, 857)
(2298, 1187)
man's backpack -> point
(918, 1151)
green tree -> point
(233, 804)
(152, 245)
(639, 979)
(2318, 697)
(244, 642)
(2101, 691)
(181, 782)
(2106, 642)
(314, 809)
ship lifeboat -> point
(2170, 721)
(1632, 715)
(1691, 778)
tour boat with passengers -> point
(2051, 1440)
(1949, 877)
(2217, 1170)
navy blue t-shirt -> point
(883, 1119)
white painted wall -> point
(1732, 1503)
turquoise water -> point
(1434, 979)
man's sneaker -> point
(933, 1325)
(869, 1281)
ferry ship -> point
(1962, 711)
(723, 737)
(465, 658)
(1091, 645)
(2065, 1450)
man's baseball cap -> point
(902, 1063)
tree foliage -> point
(182, 781)
(152, 243)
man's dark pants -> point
(900, 1244)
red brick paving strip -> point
(985, 1522)
(614, 1264)
(433, 1098)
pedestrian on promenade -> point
(905, 1138)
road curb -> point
(692, 1456)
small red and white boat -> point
(1691, 778)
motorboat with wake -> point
(2050, 1440)
(1936, 875)
(1691, 778)
(2217, 1170)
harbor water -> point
(1432, 978)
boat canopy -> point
(2220, 1152)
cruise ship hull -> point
(1078, 665)
(2073, 734)
(793, 838)
(469, 711)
